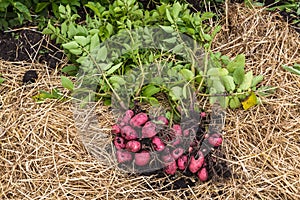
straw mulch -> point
(42, 156)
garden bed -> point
(42, 155)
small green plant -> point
(13, 13)
(230, 84)
(295, 69)
(55, 92)
(1, 79)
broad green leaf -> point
(167, 29)
(95, 42)
(169, 16)
(176, 10)
(234, 102)
(114, 68)
(228, 83)
(117, 79)
(76, 51)
(239, 61)
(250, 101)
(67, 83)
(217, 72)
(239, 75)
(47, 31)
(82, 40)
(219, 87)
(170, 40)
(41, 6)
(176, 93)
(70, 45)
(187, 74)
(23, 9)
(294, 69)
(246, 84)
(256, 80)
(70, 69)
(207, 15)
(150, 90)
(102, 54)
(207, 37)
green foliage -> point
(229, 84)
(13, 13)
(1, 79)
(295, 69)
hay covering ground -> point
(42, 156)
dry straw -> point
(42, 156)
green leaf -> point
(1, 80)
(81, 40)
(171, 40)
(177, 8)
(67, 83)
(76, 51)
(167, 29)
(187, 74)
(114, 68)
(150, 90)
(294, 69)
(217, 72)
(102, 54)
(207, 15)
(239, 61)
(234, 102)
(117, 79)
(218, 86)
(256, 80)
(207, 37)
(239, 75)
(246, 84)
(95, 42)
(41, 6)
(70, 45)
(70, 70)
(169, 16)
(176, 93)
(23, 9)
(228, 83)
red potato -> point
(163, 120)
(176, 153)
(171, 168)
(196, 164)
(123, 156)
(142, 158)
(202, 174)
(119, 142)
(215, 140)
(158, 144)
(129, 133)
(203, 114)
(149, 130)
(167, 159)
(115, 129)
(182, 162)
(126, 117)
(133, 146)
(176, 141)
(177, 130)
(139, 119)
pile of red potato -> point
(148, 143)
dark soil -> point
(30, 46)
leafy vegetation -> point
(116, 68)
